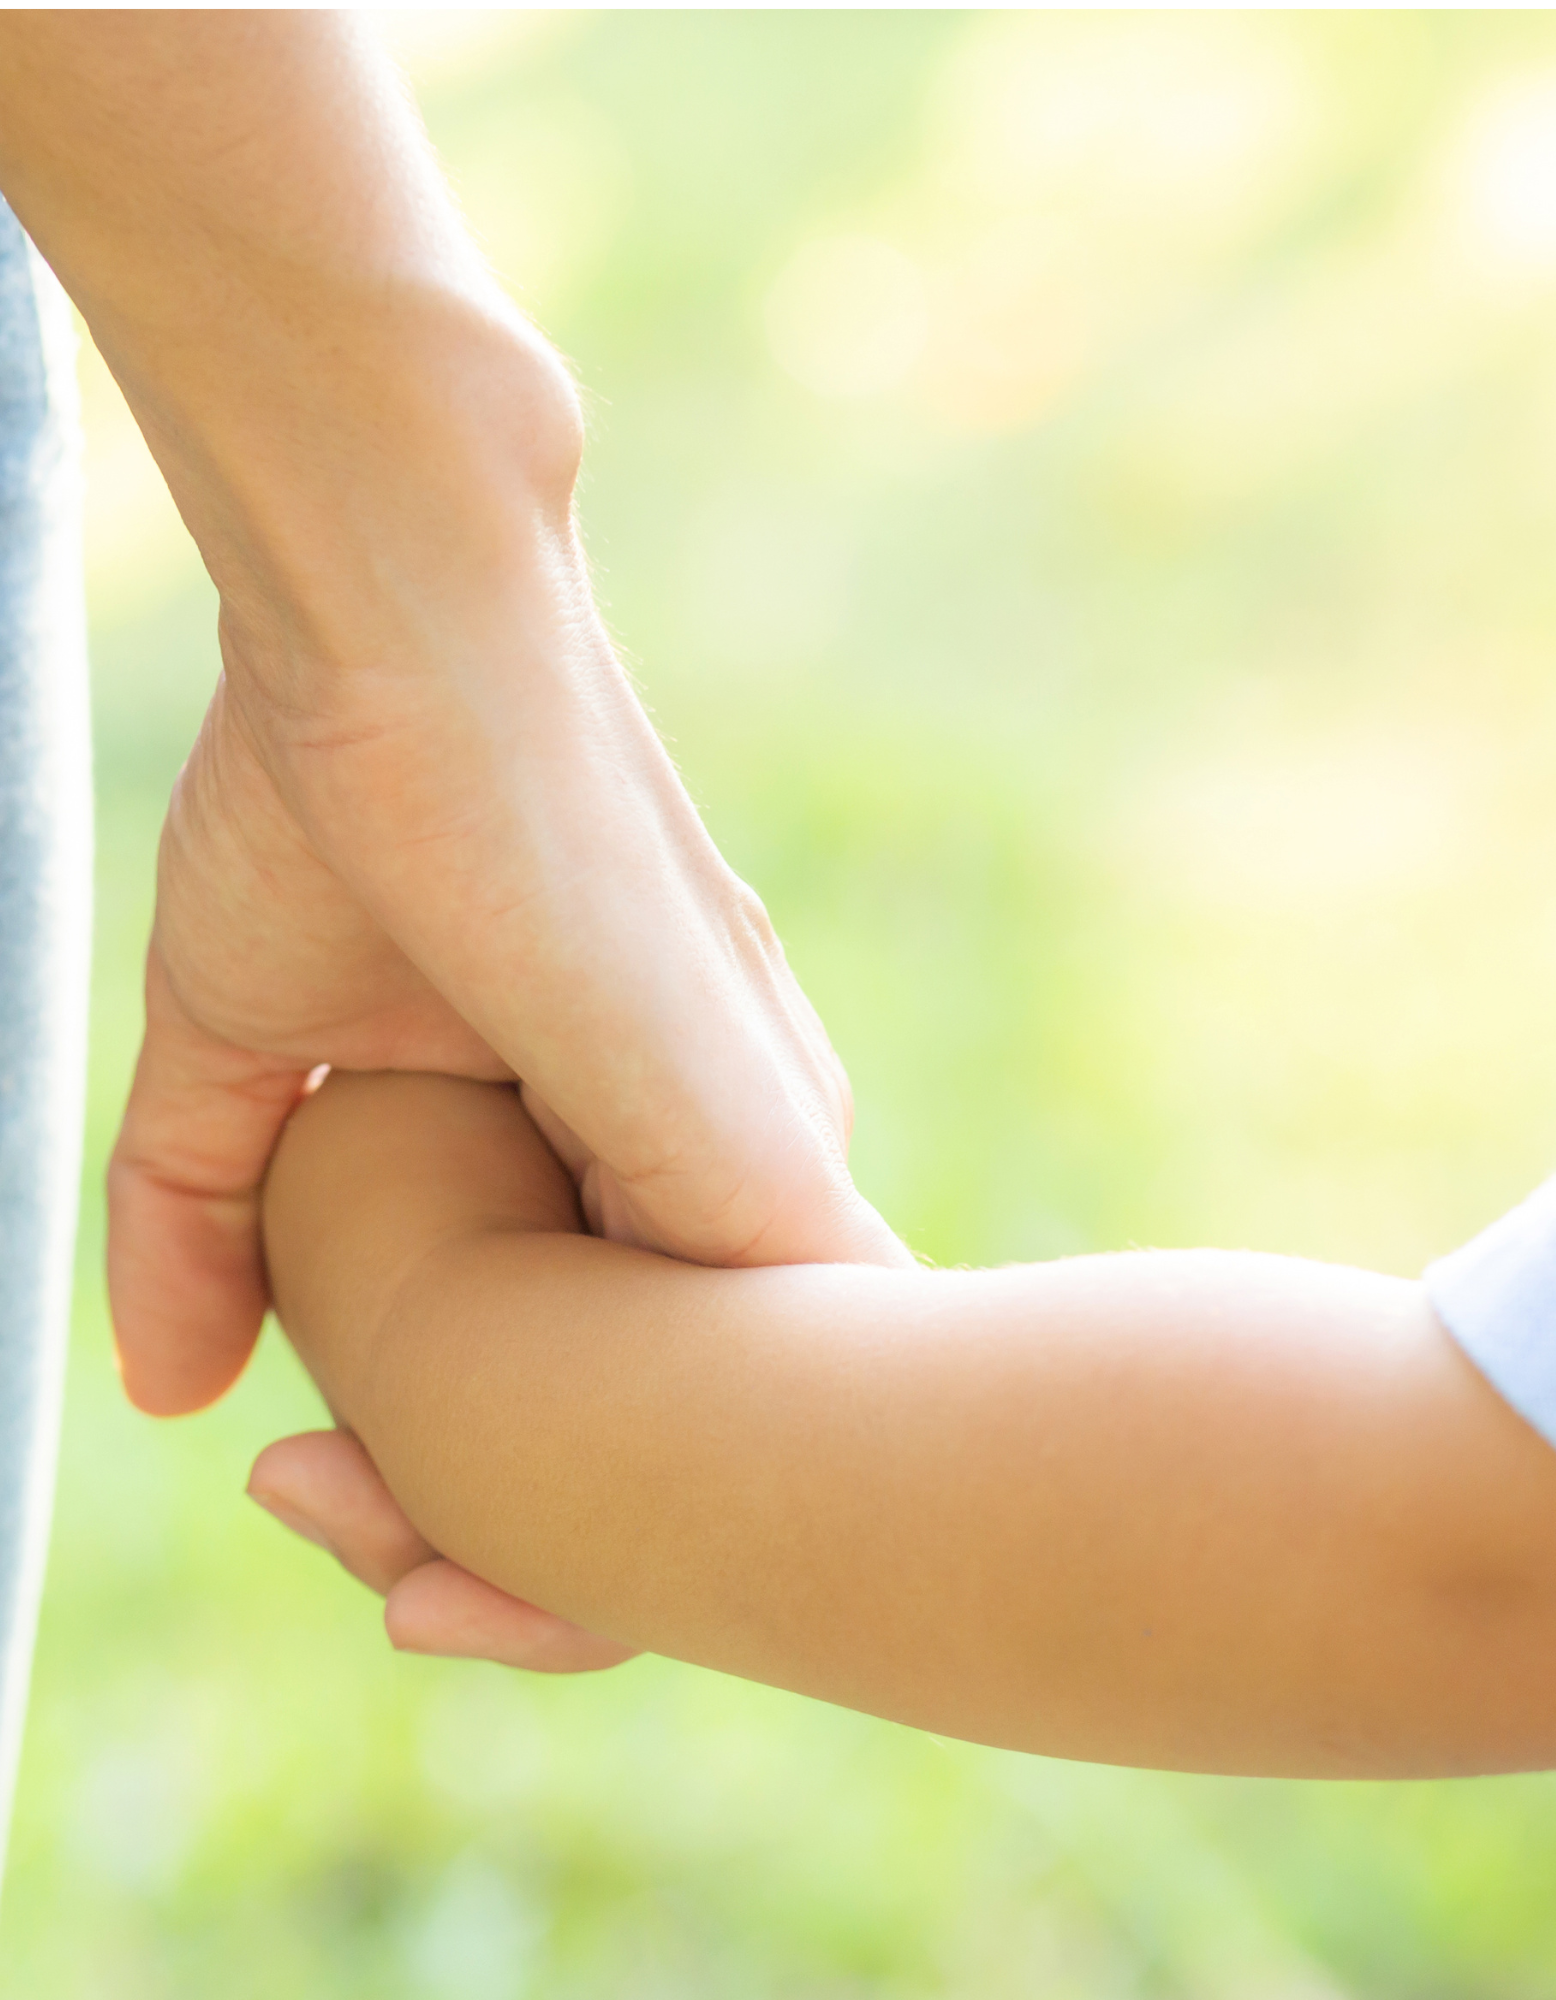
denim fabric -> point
(45, 892)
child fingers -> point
(324, 1486)
(441, 1608)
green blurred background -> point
(1078, 493)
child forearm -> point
(1225, 1512)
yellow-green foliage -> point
(1079, 492)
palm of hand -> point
(617, 956)
(261, 967)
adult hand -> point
(426, 823)
(484, 869)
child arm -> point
(1192, 1509)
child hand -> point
(324, 1486)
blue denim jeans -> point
(45, 920)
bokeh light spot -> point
(847, 316)
(1509, 167)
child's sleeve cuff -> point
(1497, 1297)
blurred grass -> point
(1077, 493)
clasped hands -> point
(473, 859)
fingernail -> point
(298, 1523)
(413, 1646)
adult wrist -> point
(247, 212)
(375, 480)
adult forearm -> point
(426, 823)
(246, 211)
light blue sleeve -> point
(1497, 1297)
